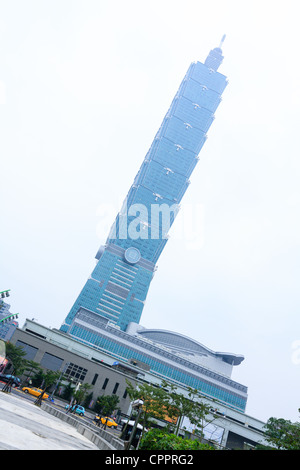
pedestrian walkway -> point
(25, 426)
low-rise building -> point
(55, 350)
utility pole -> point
(137, 404)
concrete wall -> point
(101, 438)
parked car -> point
(35, 391)
(110, 422)
(78, 409)
(16, 382)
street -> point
(57, 403)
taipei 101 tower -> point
(117, 288)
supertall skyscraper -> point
(118, 286)
(106, 315)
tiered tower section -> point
(118, 286)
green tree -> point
(80, 394)
(190, 406)
(160, 439)
(164, 402)
(68, 391)
(106, 404)
(16, 357)
(155, 398)
(31, 367)
(50, 377)
(87, 400)
(282, 434)
(37, 378)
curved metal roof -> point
(182, 343)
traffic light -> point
(9, 318)
(5, 293)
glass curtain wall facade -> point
(99, 333)
(118, 286)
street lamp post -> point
(137, 404)
(58, 380)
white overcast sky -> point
(84, 86)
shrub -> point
(159, 439)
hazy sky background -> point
(84, 86)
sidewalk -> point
(25, 426)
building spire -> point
(215, 58)
(222, 40)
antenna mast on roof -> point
(222, 40)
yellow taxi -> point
(110, 422)
(35, 391)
